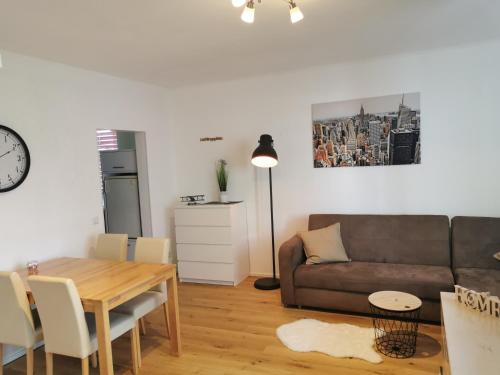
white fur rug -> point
(336, 340)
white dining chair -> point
(19, 325)
(111, 246)
(68, 330)
(149, 250)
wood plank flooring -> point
(228, 330)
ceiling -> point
(182, 42)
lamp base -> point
(267, 283)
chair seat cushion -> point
(365, 277)
(119, 324)
(479, 279)
(142, 305)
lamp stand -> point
(270, 283)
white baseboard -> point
(11, 356)
(259, 274)
(202, 281)
(16, 353)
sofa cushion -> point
(365, 277)
(475, 240)
(479, 279)
(403, 239)
(324, 245)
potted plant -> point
(221, 171)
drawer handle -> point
(118, 167)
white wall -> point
(57, 109)
(459, 174)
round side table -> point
(395, 320)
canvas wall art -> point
(379, 131)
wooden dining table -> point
(105, 284)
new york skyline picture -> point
(376, 131)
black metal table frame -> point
(395, 331)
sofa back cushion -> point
(324, 245)
(474, 242)
(403, 239)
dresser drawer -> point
(205, 253)
(212, 217)
(203, 235)
(206, 271)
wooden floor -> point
(228, 330)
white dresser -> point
(212, 243)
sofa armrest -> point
(291, 255)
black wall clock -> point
(14, 159)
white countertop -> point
(473, 339)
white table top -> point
(395, 301)
(473, 338)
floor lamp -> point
(265, 156)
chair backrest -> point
(64, 326)
(153, 250)
(111, 246)
(16, 322)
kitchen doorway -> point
(123, 169)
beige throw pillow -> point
(324, 245)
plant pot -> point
(224, 196)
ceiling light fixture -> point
(296, 14)
(238, 3)
(248, 14)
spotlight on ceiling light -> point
(238, 3)
(248, 14)
(296, 14)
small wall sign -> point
(481, 302)
(211, 139)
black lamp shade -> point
(265, 155)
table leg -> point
(173, 315)
(167, 324)
(103, 339)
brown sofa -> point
(474, 242)
(409, 253)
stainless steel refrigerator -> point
(122, 207)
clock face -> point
(14, 159)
